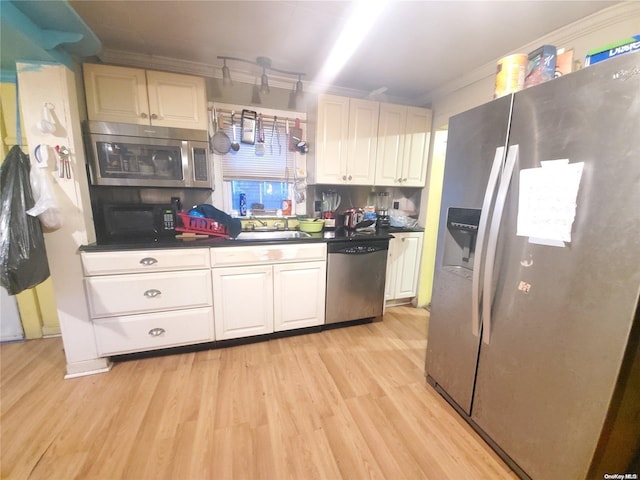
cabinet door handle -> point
(146, 261)
(143, 115)
(156, 332)
(154, 116)
(350, 177)
(344, 177)
(152, 293)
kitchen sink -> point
(272, 235)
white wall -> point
(10, 326)
(612, 24)
(53, 83)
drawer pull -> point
(146, 261)
(156, 332)
(152, 293)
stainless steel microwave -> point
(121, 154)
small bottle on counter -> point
(243, 205)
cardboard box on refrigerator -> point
(627, 45)
(541, 65)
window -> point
(266, 178)
(269, 194)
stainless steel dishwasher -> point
(356, 273)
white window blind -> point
(277, 162)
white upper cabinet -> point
(393, 119)
(145, 97)
(346, 139)
(363, 141)
(177, 100)
(403, 146)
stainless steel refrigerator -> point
(534, 328)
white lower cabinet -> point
(403, 267)
(143, 300)
(243, 301)
(299, 294)
(136, 333)
(272, 288)
(113, 295)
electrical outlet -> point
(396, 204)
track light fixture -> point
(299, 92)
(265, 64)
(226, 74)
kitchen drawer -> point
(114, 295)
(139, 261)
(267, 254)
(137, 333)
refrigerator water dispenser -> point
(462, 230)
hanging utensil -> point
(64, 163)
(273, 135)
(221, 142)
(211, 128)
(277, 134)
(300, 145)
(235, 146)
(248, 127)
(296, 136)
(46, 124)
(260, 142)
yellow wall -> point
(436, 178)
(37, 306)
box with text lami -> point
(628, 45)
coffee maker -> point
(382, 210)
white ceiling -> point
(413, 48)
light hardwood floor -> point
(348, 403)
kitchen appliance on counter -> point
(122, 154)
(534, 325)
(382, 210)
(356, 274)
(135, 222)
(330, 203)
(352, 217)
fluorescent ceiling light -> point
(362, 18)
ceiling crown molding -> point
(564, 36)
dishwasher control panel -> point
(360, 249)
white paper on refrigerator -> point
(547, 202)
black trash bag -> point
(23, 258)
(234, 226)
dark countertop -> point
(336, 235)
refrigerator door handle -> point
(492, 242)
(476, 287)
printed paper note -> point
(547, 203)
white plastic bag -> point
(46, 207)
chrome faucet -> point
(284, 225)
(264, 224)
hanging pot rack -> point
(281, 120)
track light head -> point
(299, 89)
(226, 75)
(265, 64)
